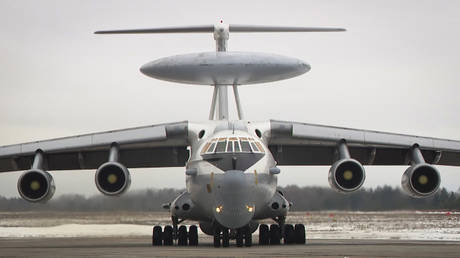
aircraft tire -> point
(193, 236)
(264, 234)
(156, 236)
(289, 235)
(168, 236)
(299, 230)
(239, 237)
(182, 236)
(217, 237)
(225, 238)
(275, 234)
(247, 237)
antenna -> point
(223, 68)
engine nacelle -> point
(112, 178)
(346, 175)
(421, 180)
(36, 185)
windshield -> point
(232, 145)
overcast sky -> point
(396, 69)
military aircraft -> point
(231, 166)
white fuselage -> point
(232, 183)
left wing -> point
(161, 145)
(293, 143)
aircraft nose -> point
(233, 205)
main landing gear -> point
(272, 235)
(168, 234)
(290, 234)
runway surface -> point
(140, 247)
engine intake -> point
(346, 175)
(421, 180)
(36, 185)
(112, 178)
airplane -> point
(231, 166)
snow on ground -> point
(404, 225)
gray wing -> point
(293, 143)
(162, 145)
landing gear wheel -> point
(193, 235)
(264, 235)
(289, 236)
(168, 235)
(239, 237)
(247, 237)
(156, 236)
(225, 238)
(299, 232)
(182, 236)
(275, 234)
(217, 237)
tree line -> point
(303, 198)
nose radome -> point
(233, 205)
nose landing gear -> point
(242, 236)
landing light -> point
(250, 208)
(219, 209)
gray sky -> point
(395, 69)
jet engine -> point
(36, 185)
(346, 174)
(421, 180)
(112, 178)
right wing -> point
(161, 145)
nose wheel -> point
(242, 236)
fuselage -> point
(231, 181)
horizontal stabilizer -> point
(261, 28)
(211, 28)
(183, 29)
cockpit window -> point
(237, 146)
(233, 144)
(245, 146)
(230, 146)
(221, 146)
(254, 147)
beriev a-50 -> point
(231, 166)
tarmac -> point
(141, 247)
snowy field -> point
(404, 225)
